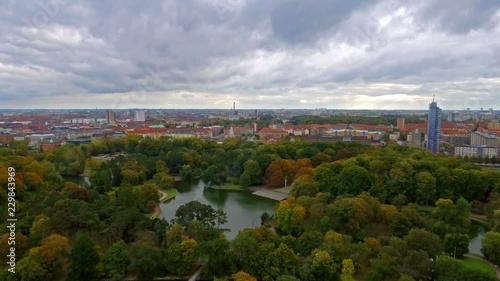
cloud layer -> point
(262, 54)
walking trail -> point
(157, 210)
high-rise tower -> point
(110, 117)
(140, 116)
(433, 127)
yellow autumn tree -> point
(347, 270)
(290, 217)
(243, 276)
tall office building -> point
(110, 117)
(401, 124)
(140, 116)
(433, 127)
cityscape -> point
(467, 133)
(250, 140)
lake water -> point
(475, 243)
(243, 209)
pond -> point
(243, 209)
(475, 244)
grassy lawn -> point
(478, 265)
(171, 193)
(228, 186)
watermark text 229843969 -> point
(11, 220)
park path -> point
(163, 195)
(276, 194)
(488, 262)
(157, 210)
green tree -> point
(453, 218)
(198, 231)
(416, 264)
(320, 158)
(69, 160)
(325, 176)
(84, 259)
(304, 186)
(174, 234)
(319, 266)
(308, 241)
(287, 278)
(181, 257)
(215, 174)
(163, 181)
(426, 186)
(290, 217)
(186, 173)
(146, 261)
(116, 260)
(491, 246)
(456, 244)
(384, 267)
(244, 248)
(127, 198)
(253, 170)
(31, 270)
(496, 221)
(161, 167)
(335, 244)
(101, 178)
(448, 269)
(148, 195)
(195, 210)
(353, 180)
(281, 261)
(133, 173)
(219, 260)
(245, 180)
(419, 239)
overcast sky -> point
(356, 54)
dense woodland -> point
(357, 212)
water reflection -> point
(243, 209)
(475, 244)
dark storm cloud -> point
(208, 53)
(301, 21)
(460, 16)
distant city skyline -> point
(132, 109)
(378, 54)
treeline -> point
(381, 120)
(482, 160)
(261, 121)
(308, 119)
